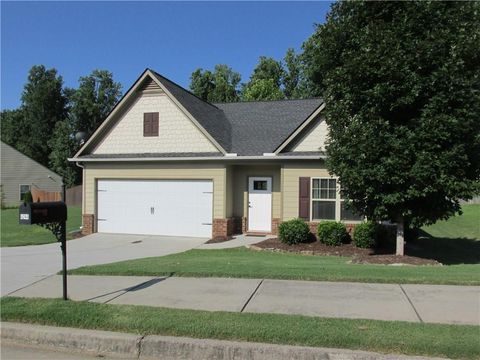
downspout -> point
(83, 188)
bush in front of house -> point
(293, 232)
(364, 235)
(332, 233)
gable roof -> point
(260, 127)
(246, 128)
(208, 115)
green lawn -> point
(461, 252)
(453, 341)
(244, 263)
(466, 225)
(14, 234)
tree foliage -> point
(221, 85)
(263, 89)
(43, 104)
(95, 97)
(64, 146)
(402, 92)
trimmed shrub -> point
(293, 232)
(332, 233)
(364, 235)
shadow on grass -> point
(448, 251)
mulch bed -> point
(219, 239)
(393, 260)
(75, 235)
(360, 256)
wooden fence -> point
(74, 195)
(42, 195)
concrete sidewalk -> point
(415, 303)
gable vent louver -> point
(149, 86)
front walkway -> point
(414, 303)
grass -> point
(461, 252)
(244, 263)
(466, 225)
(14, 234)
(453, 341)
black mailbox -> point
(42, 212)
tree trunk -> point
(400, 236)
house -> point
(166, 162)
(20, 174)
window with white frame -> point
(23, 190)
(324, 198)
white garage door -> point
(157, 207)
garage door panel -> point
(162, 207)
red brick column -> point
(275, 223)
(88, 224)
(223, 227)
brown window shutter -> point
(154, 124)
(150, 124)
(304, 198)
(147, 124)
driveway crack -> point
(411, 303)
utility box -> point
(42, 212)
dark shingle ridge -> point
(182, 88)
(265, 101)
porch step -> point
(257, 234)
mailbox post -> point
(52, 216)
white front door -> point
(156, 207)
(260, 204)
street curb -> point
(122, 345)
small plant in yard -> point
(332, 233)
(364, 235)
(293, 231)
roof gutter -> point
(202, 158)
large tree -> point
(43, 105)
(95, 97)
(402, 92)
(265, 81)
(64, 145)
(12, 127)
(221, 85)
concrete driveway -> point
(24, 265)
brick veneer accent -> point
(88, 224)
(275, 223)
(223, 227)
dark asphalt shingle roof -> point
(261, 126)
(245, 128)
(151, 155)
(211, 118)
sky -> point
(126, 37)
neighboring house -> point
(166, 162)
(20, 174)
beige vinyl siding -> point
(313, 138)
(17, 169)
(291, 173)
(176, 133)
(240, 187)
(137, 171)
(229, 191)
